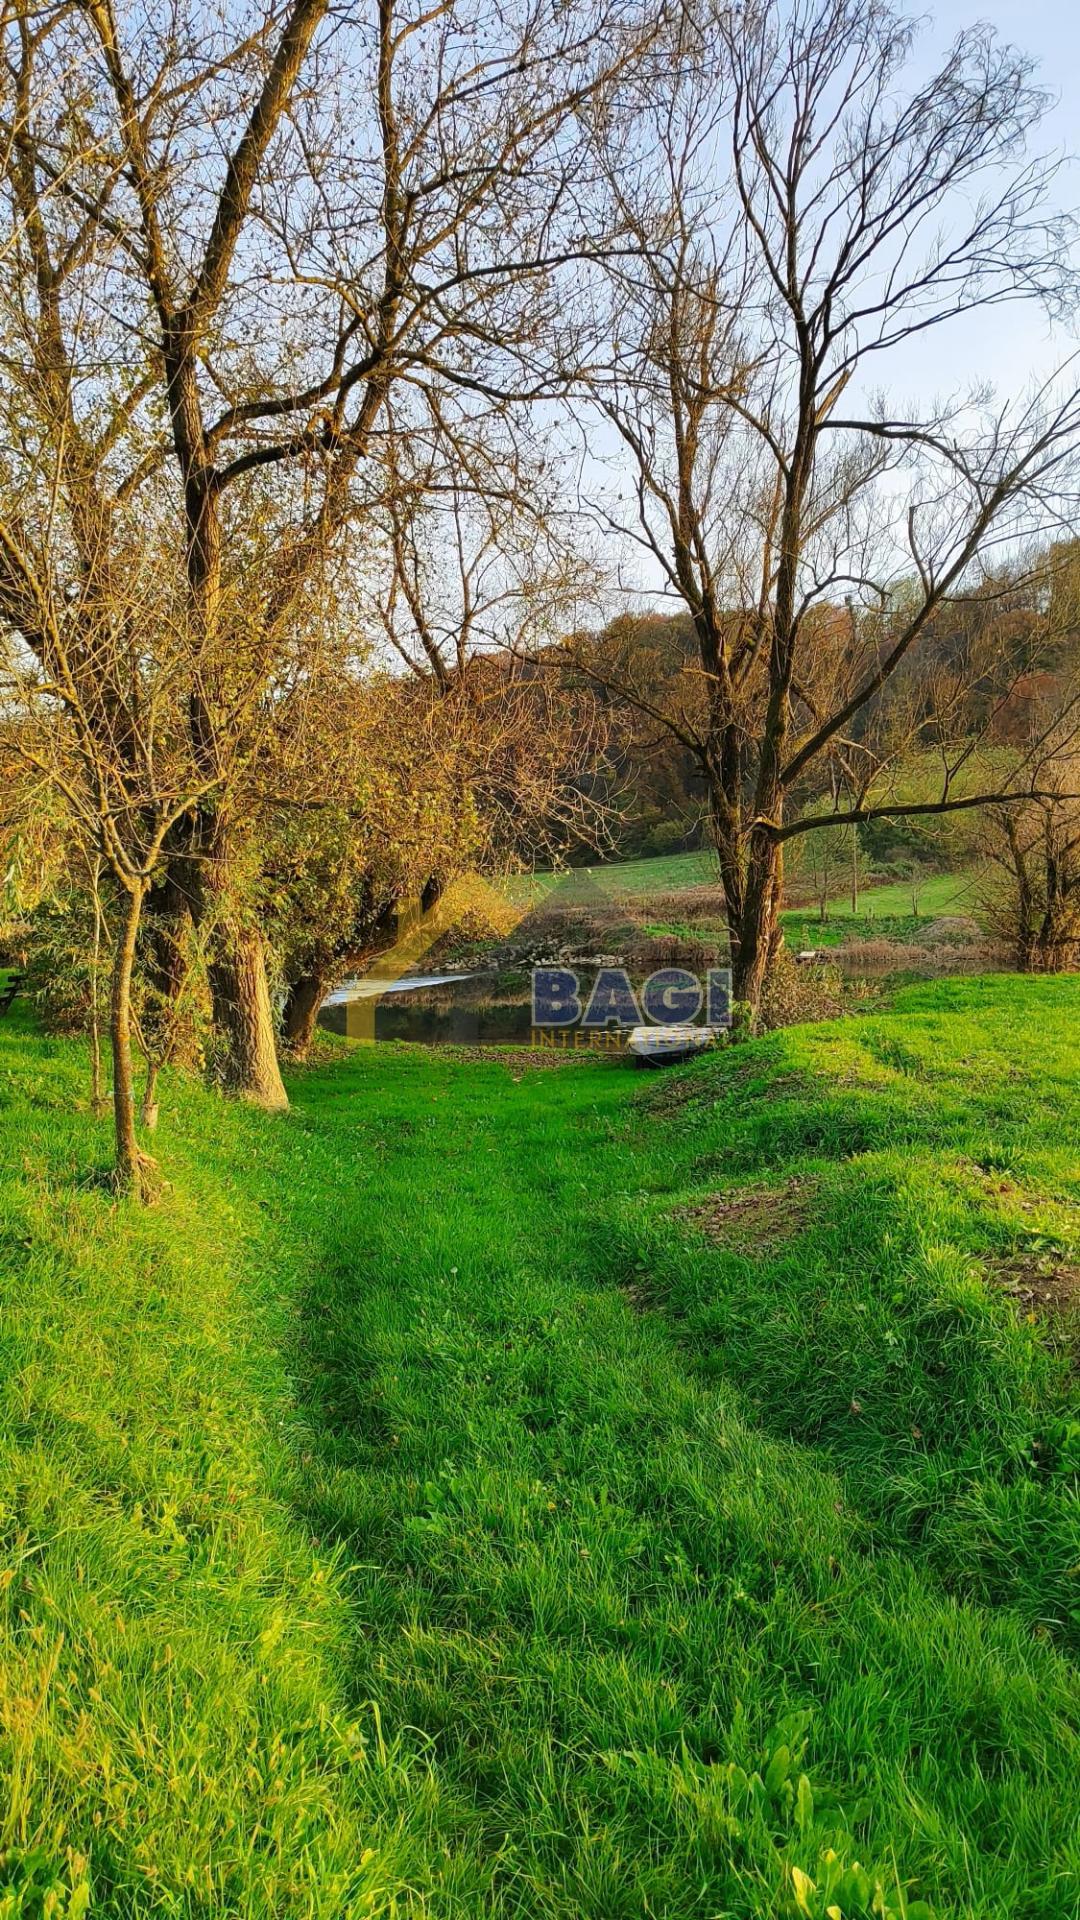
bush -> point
(793, 994)
(672, 835)
(59, 962)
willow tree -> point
(806, 206)
(230, 239)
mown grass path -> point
(519, 1551)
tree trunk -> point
(1025, 898)
(752, 879)
(128, 1157)
(244, 1017)
(97, 1091)
(236, 974)
(728, 841)
(760, 934)
(726, 821)
(239, 989)
(302, 1004)
(1053, 948)
(169, 911)
(149, 1113)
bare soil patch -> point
(1037, 1285)
(753, 1219)
(521, 1060)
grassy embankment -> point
(416, 1514)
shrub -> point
(793, 994)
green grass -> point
(658, 874)
(661, 873)
(415, 1515)
(943, 893)
(885, 912)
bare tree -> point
(482, 581)
(1033, 901)
(801, 214)
(1030, 890)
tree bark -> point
(192, 894)
(97, 1091)
(149, 1113)
(751, 872)
(169, 911)
(302, 1004)
(241, 1009)
(760, 933)
(727, 839)
(244, 1017)
(128, 1158)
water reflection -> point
(463, 1010)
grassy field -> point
(453, 1500)
(660, 873)
(668, 873)
(885, 912)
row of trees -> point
(306, 312)
(271, 282)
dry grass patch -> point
(521, 1060)
(747, 1079)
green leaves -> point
(784, 1832)
(35, 1885)
(844, 1890)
